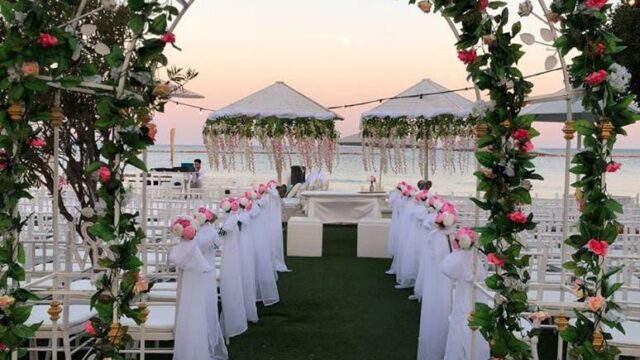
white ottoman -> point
(304, 236)
(373, 235)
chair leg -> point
(66, 345)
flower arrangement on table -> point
(372, 180)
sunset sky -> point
(334, 51)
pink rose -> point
(234, 205)
(89, 329)
(520, 134)
(141, 285)
(168, 38)
(47, 40)
(153, 131)
(30, 68)
(249, 206)
(468, 56)
(189, 233)
(36, 142)
(495, 260)
(465, 238)
(598, 247)
(105, 174)
(448, 207)
(262, 188)
(596, 4)
(527, 146)
(581, 206)
(209, 215)
(6, 301)
(597, 77)
(595, 303)
(3, 166)
(446, 219)
(3, 347)
(613, 166)
(482, 4)
(599, 49)
(517, 217)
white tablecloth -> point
(342, 207)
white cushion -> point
(632, 336)
(294, 191)
(305, 220)
(161, 318)
(375, 221)
(78, 314)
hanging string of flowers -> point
(403, 134)
(607, 97)
(504, 153)
(315, 141)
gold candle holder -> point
(605, 128)
(597, 341)
(16, 112)
(115, 334)
(561, 322)
(54, 310)
(56, 117)
(568, 130)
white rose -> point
(201, 218)
(87, 212)
(225, 205)
(244, 202)
(499, 299)
(177, 230)
(465, 242)
(437, 205)
(448, 219)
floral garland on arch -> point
(386, 141)
(504, 145)
(228, 139)
(583, 24)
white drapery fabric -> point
(275, 230)
(266, 286)
(248, 268)
(234, 316)
(198, 334)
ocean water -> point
(349, 172)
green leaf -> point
(116, 57)
(485, 159)
(137, 162)
(23, 331)
(7, 11)
(584, 127)
(136, 23)
(71, 81)
(613, 206)
(520, 195)
(158, 25)
(102, 231)
(93, 167)
(20, 314)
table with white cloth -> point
(342, 207)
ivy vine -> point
(605, 83)
(504, 140)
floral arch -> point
(39, 58)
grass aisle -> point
(334, 307)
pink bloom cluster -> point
(208, 214)
(598, 247)
(522, 137)
(104, 173)
(447, 215)
(596, 77)
(89, 329)
(468, 56)
(422, 195)
(168, 38)
(184, 228)
(517, 217)
(47, 40)
(613, 166)
(229, 205)
(37, 143)
(465, 238)
(596, 4)
(495, 260)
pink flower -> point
(596, 77)
(36, 142)
(105, 174)
(482, 4)
(234, 205)
(448, 207)
(262, 188)
(468, 56)
(6, 301)
(598, 247)
(3, 347)
(272, 184)
(495, 260)
(209, 215)
(153, 131)
(142, 285)
(613, 166)
(422, 195)
(89, 329)
(520, 134)
(517, 217)
(47, 40)
(3, 166)
(465, 238)
(595, 303)
(372, 178)
(446, 219)
(581, 206)
(168, 38)
(184, 222)
(527, 146)
(599, 49)
(596, 4)
(189, 233)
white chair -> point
(373, 236)
(304, 237)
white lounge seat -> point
(159, 326)
(373, 236)
(304, 237)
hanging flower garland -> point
(504, 142)
(607, 97)
(315, 141)
(402, 134)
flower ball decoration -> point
(465, 239)
(185, 228)
(205, 216)
(447, 216)
(229, 205)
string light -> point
(421, 96)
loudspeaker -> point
(298, 174)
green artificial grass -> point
(334, 307)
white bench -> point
(304, 237)
(373, 235)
